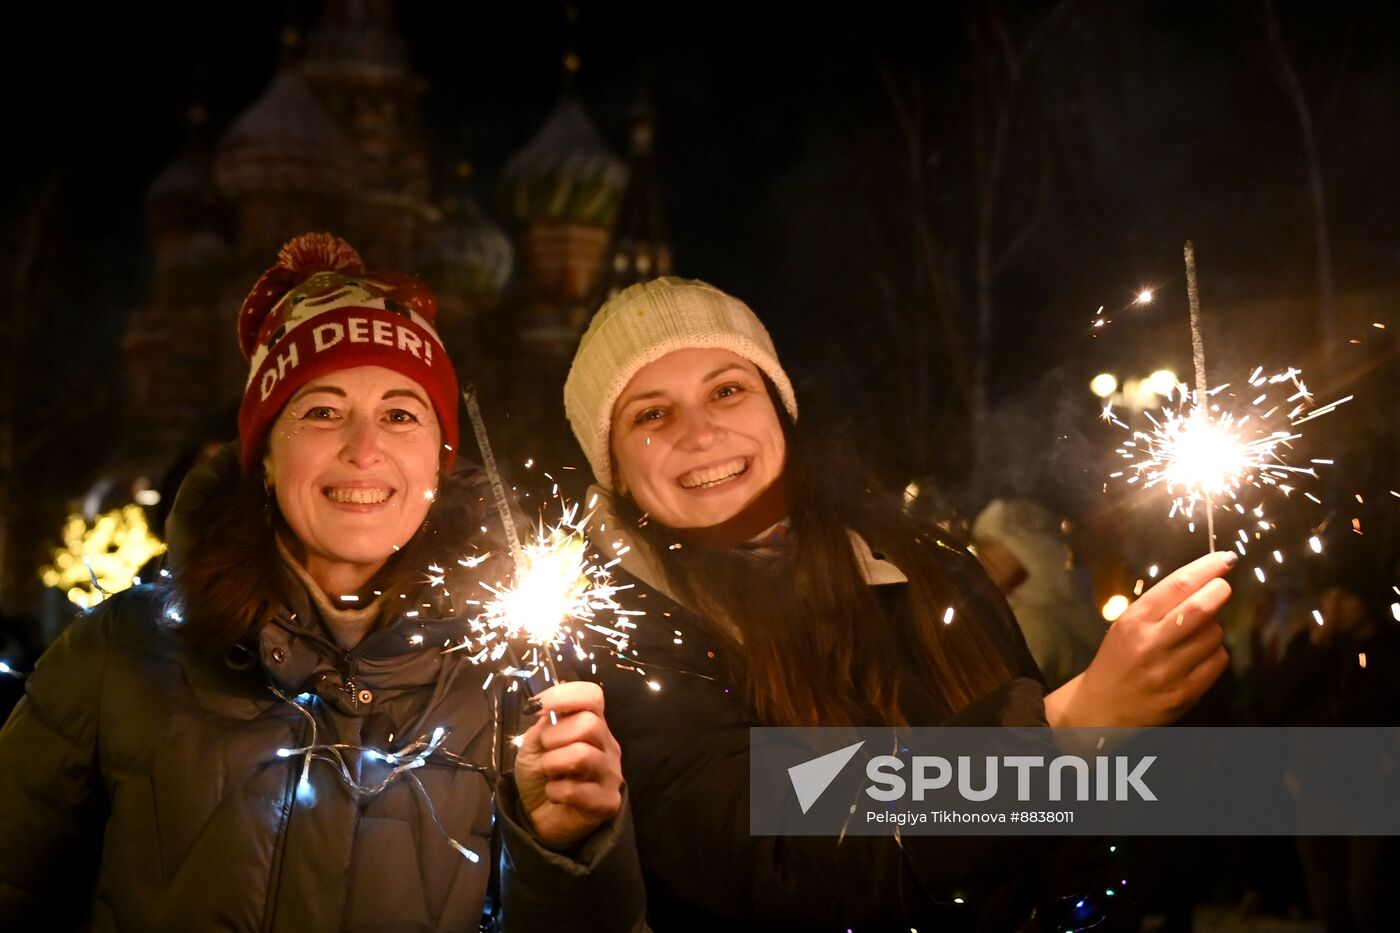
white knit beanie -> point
(643, 323)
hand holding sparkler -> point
(568, 771)
(1158, 658)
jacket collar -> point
(617, 542)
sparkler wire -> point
(493, 473)
(1198, 361)
(498, 491)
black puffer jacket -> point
(685, 756)
(141, 786)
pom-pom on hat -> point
(317, 311)
(643, 323)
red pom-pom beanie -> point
(316, 311)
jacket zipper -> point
(289, 796)
(347, 666)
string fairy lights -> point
(392, 765)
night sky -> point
(785, 173)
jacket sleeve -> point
(596, 888)
(52, 802)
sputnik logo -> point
(811, 778)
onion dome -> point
(467, 254)
(285, 142)
(356, 35)
(183, 197)
(565, 174)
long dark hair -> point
(225, 576)
(815, 647)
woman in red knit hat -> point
(277, 739)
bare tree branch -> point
(1288, 78)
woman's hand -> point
(569, 773)
(1158, 658)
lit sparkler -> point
(556, 590)
(1201, 452)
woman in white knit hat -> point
(781, 591)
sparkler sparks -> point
(558, 592)
(1199, 453)
(1201, 450)
(555, 583)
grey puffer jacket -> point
(141, 786)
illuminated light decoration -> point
(306, 794)
(1315, 544)
(948, 616)
(99, 560)
(401, 764)
(1317, 616)
(1115, 607)
(1162, 382)
(1144, 297)
(468, 854)
(5, 668)
(1103, 385)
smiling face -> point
(695, 438)
(353, 460)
